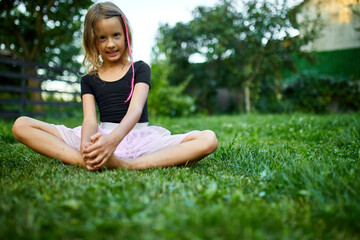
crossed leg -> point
(45, 139)
(192, 149)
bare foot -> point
(115, 162)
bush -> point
(311, 92)
(165, 99)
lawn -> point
(272, 177)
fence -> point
(16, 92)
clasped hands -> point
(98, 151)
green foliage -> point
(165, 99)
(272, 177)
(43, 31)
(269, 98)
(240, 48)
(326, 84)
(312, 92)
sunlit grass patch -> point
(272, 177)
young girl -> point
(119, 88)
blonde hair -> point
(97, 12)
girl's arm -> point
(104, 145)
(90, 125)
(133, 114)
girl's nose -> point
(110, 43)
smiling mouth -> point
(112, 53)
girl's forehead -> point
(109, 24)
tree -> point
(46, 31)
(240, 48)
(176, 44)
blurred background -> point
(207, 57)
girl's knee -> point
(19, 124)
(210, 141)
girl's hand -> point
(85, 145)
(98, 153)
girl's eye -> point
(102, 38)
(117, 35)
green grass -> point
(272, 177)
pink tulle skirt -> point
(141, 140)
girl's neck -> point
(113, 71)
(111, 65)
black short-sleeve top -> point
(110, 97)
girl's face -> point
(110, 39)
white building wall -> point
(340, 24)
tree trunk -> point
(247, 97)
(33, 83)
